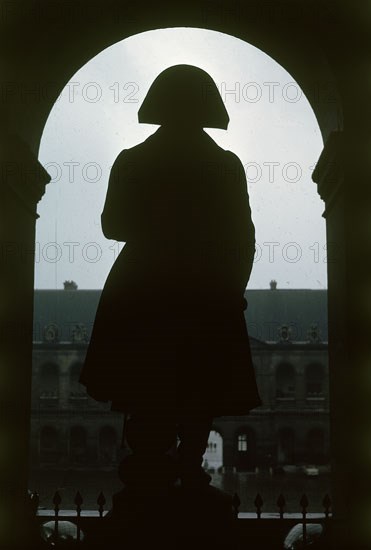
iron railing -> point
(257, 522)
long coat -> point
(170, 321)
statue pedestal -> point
(163, 504)
(171, 517)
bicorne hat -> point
(184, 93)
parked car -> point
(311, 470)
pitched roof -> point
(267, 310)
(298, 308)
(64, 308)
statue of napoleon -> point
(169, 346)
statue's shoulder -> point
(138, 151)
(232, 157)
(225, 154)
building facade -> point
(288, 335)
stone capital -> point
(21, 173)
(329, 171)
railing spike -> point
(35, 501)
(281, 503)
(57, 499)
(258, 504)
(101, 501)
(304, 503)
(78, 499)
(236, 503)
(326, 502)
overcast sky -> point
(272, 129)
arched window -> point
(49, 381)
(285, 381)
(108, 445)
(314, 380)
(48, 444)
(78, 445)
(76, 389)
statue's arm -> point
(243, 226)
(117, 215)
(248, 227)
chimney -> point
(70, 285)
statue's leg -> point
(149, 476)
(149, 437)
(193, 430)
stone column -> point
(22, 184)
(343, 177)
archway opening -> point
(273, 130)
(213, 457)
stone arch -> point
(283, 65)
(269, 26)
(295, 56)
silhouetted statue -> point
(169, 345)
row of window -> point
(287, 449)
(48, 379)
(107, 436)
(286, 437)
(312, 370)
(78, 449)
(246, 447)
(108, 445)
(285, 380)
(49, 435)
